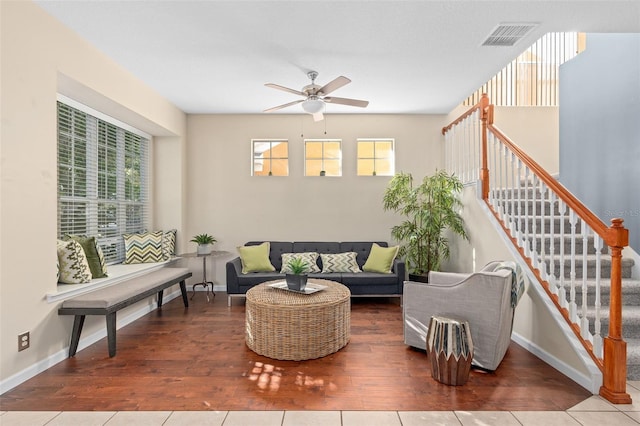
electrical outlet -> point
(23, 341)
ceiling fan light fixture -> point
(313, 106)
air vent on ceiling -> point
(508, 34)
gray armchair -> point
(483, 298)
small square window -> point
(269, 157)
(376, 157)
(323, 157)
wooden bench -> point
(107, 301)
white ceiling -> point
(403, 56)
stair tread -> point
(603, 256)
(627, 283)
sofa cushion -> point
(371, 283)
(380, 259)
(255, 258)
(310, 258)
(339, 262)
(256, 278)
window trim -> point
(270, 140)
(323, 157)
(393, 158)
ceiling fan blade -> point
(286, 89)
(318, 116)
(346, 101)
(334, 84)
(283, 106)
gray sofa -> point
(360, 284)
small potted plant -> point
(204, 241)
(297, 278)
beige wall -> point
(535, 130)
(41, 58)
(226, 201)
(202, 186)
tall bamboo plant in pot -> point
(430, 208)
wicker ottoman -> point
(290, 326)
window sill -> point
(117, 273)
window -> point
(323, 157)
(376, 157)
(102, 178)
(270, 157)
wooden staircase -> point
(575, 257)
(557, 238)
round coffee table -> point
(286, 325)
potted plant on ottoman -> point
(430, 208)
(204, 241)
(297, 279)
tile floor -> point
(594, 411)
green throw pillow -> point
(256, 258)
(380, 259)
(93, 253)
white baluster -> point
(513, 215)
(448, 140)
(597, 338)
(501, 185)
(573, 313)
(543, 217)
(519, 217)
(493, 171)
(534, 224)
(562, 294)
(527, 245)
(551, 276)
(584, 325)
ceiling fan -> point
(316, 96)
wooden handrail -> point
(592, 220)
(482, 103)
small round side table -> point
(205, 283)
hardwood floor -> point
(195, 358)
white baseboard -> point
(590, 382)
(37, 368)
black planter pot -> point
(296, 282)
(419, 278)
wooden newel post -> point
(486, 115)
(614, 387)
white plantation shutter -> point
(102, 179)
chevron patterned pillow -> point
(311, 258)
(339, 262)
(169, 244)
(145, 247)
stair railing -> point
(534, 210)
